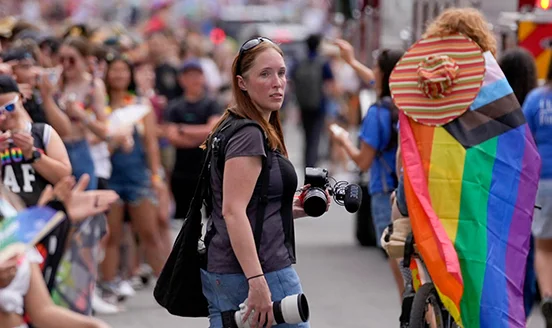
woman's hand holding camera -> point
(298, 209)
(259, 303)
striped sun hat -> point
(438, 78)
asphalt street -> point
(347, 286)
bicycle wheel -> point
(425, 296)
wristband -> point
(156, 178)
(257, 276)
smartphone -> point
(52, 74)
(336, 129)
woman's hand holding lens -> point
(259, 304)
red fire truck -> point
(530, 28)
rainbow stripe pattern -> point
(470, 187)
(438, 57)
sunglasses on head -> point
(248, 45)
(10, 106)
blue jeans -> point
(381, 213)
(82, 162)
(225, 292)
(401, 198)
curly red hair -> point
(468, 21)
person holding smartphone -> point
(40, 104)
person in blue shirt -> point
(378, 147)
(538, 112)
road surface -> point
(347, 286)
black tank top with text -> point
(19, 177)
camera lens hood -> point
(315, 202)
(293, 309)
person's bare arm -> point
(55, 116)
(151, 142)
(97, 124)
(55, 164)
(45, 314)
(363, 157)
(348, 54)
(240, 177)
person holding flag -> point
(470, 168)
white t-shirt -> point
(12, 297)
(102, 160)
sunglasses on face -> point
(248, 45)
(70, 60)
(10, 106)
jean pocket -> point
(290, 281)
(234, 288)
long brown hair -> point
(243, 106)
(82, 46)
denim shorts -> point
(225, 292)
(133, 194)
(82, 162)
(542, 219)
(381, 212)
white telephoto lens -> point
(295, 309)
(238, 316)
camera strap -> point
(228, 129)
(263, 197)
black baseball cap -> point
(19, 53)
(190, 65)
(7, 84)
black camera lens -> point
(315, 202)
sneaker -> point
(137, 283)
(100, 306)
(145, 273)
(125, 289)
(110, 292)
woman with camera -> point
(235, 269)
(378, 136)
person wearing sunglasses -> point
(235, 269)
(83, 98)
(33, 154)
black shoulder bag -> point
(179, 288)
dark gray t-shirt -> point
(274, 253)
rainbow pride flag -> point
(470, 187)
